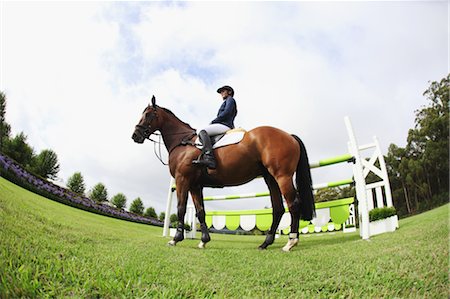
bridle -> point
(146, 132)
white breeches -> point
(215, 129)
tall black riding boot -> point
(207, 157)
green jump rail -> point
(331, 161)
(267, 193)
(319, 205)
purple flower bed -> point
(16, 174)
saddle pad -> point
(231, 137)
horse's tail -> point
(304, 184)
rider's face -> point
(224, 93)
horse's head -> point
(148, 124)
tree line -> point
(99, 193)
(419, 172)
(46, 165)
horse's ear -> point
(153, 101)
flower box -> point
(389, 224)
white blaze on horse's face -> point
(143, 129)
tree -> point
(5, 128)
(46, 164)
(173, 218)
(18, 149)
(150, 212)
(162, 216)
(137, 206)
(76, 184)
(99, 193)
(326, 194)
(119, 200)
(395, 161)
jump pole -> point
(265, 194)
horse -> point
(264, 151)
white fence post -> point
(191, 220)
(168, 207)
(360, 184)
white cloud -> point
(78, 75)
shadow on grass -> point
(250, 243)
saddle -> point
(232, 136)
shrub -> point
(381, 213)
(187, 226)
(137, 206)
(75, 183)
(99, 193)
(150, 212)
(173, 218)
(119, 200)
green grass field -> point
(51, 250)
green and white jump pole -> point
(368, 195)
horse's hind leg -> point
(197, 197)
(290, 194)
(277, 209)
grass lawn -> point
(51, 250)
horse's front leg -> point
(197, 197)
(182, 195)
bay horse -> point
(264, 151)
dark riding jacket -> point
(227, 113)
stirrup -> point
(210, 163)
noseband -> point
(145, 131)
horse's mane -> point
(171, 113)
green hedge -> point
(381, 213)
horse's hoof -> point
(201, 245)
(291, 243)
(171, 243)
(263, 246)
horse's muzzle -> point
(138, 137)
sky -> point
(77, 76)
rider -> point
(222, 123)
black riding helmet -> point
(226, 87)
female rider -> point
(222, 123)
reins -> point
(158, 153)
(154, 147)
